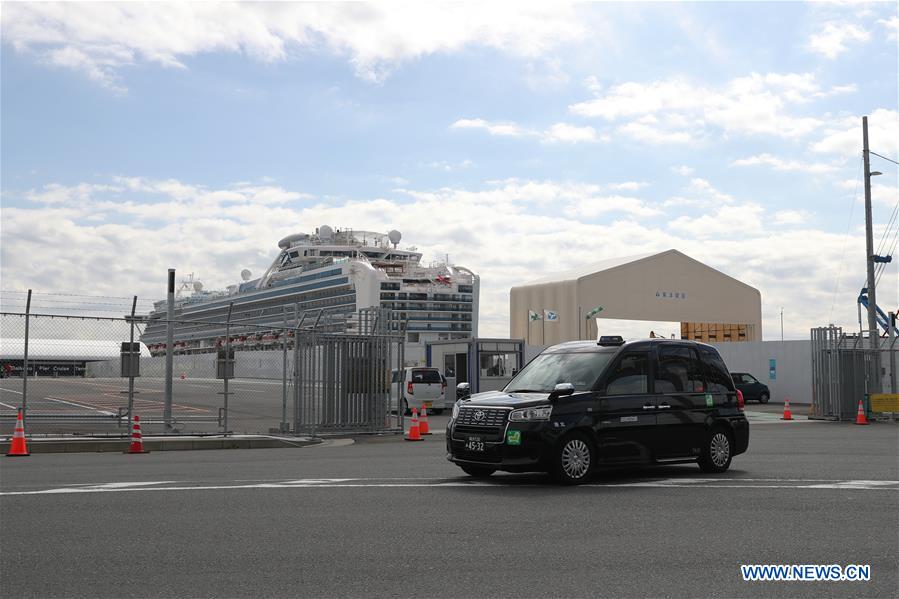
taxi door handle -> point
(649, 407)
(664, 406)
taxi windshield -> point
(581, 369)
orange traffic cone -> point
(423, 426)
(17, 446)
(414, 432)
(788, 415)
(137, 440)
(860, 418)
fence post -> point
(227, 370)
(285, 426)
(131, 378)
(169, 352)
(892, 323)
(25, 358)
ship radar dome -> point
(245, 274)
(325, 232)
(394, 236)
(198, 286)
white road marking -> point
(335, 483)
(78, 405)
(11, 391)
(6, 405)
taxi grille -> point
(482, 417)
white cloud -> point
(682, 170)
(629, 185)
(843, 136)
(563, 132)
(506, 129)
(509, 231)
(557, 133)
(891, 25)
(780, 164)
(831, 41)
(791, 217)
(681, 111)
(100, 38)
(886, 195)
(448, 167)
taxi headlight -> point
(531, 414)
(455, 410)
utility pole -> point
(873, 336)
(781, 323)
(869, 239)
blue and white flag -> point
(550, 315)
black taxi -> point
(582, 405)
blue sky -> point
(520, 140)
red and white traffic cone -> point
(423, 427)
(788, 415)
(860, 417)
(414, 433)
(137, 440)
(18, 446)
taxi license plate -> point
(474, 444)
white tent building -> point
(667, 286)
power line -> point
(884, 157)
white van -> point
(421, 386)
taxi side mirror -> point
(463, 390)
(561, 390)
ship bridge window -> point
(294, 254)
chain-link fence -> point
(313, 373)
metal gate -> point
(342, 374)
(846, 369)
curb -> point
(62, 445)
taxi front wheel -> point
(573, 460)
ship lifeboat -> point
(269, 339)
(238, 341)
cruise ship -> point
(331, 271)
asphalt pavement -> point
(377, 516)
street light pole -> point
(781, 323)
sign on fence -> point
(885, 402)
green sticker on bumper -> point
(709, 401)
(513, 437)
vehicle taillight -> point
(443, 385)
(409, 388)
(741, 403)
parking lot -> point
(255, 405)
(380, 517)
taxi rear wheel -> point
(573, 460)
(478, 471)
(717, 452)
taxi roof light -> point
(610, 340)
